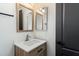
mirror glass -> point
(45, 20)
(39, 19)
(24, 18)
(42, 19)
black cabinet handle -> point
(40, 50)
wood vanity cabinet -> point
(39, 51)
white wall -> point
(49, 35)
(8, 29)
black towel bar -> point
(6, 14)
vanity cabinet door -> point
(21, 52)
(17, 51)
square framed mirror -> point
(24, 18)
(41, 21)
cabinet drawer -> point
(39, 50)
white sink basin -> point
(29, 45)
(30, 42)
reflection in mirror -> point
(39, 23)
(44, 16)
(45, 20)
(20, 20)
(29, 21)
(24, 18)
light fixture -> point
(42, 10)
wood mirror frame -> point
(17, 18)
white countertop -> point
(27, 46)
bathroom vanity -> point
(35, 47)
(25, 23)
